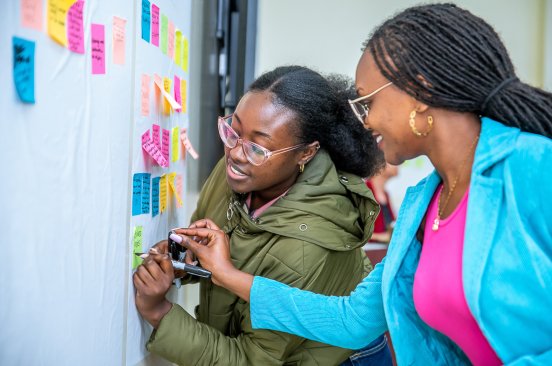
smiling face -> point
(389, 112)
(258, 120)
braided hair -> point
(322, 112)
(446, 57)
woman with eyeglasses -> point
(289, 196)
(468, 274)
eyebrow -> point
(255, 132)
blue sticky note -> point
(146, 20)
(137, 194)
(155, 196)
(23, 69)
(146, 177)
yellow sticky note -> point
(178, 48)
(185, 54)
(172, 184)
(137, 241)
(183, 94)
(57, 16)
(174, 144)
(166, 104)
(163, 193)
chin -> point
(238, 187)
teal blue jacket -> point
(507, 267)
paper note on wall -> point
(170, 45)
(163, 35)
(145, 92)
(163, 193)
(175, 135)
(155, 196)
(23, 69)
(178, 185)
(172, 185)
(166, 104)
(146, 179)
(140, 193)
(159, 83)
(32, 13)
(57, 15)
(188, 144)
(154, 25)
(146, 20)
(153, 151)
(156, 130)
(119, 40)
(137, 241)
(75, 27)
(177, 95)
(165, 147)
(185, 54)
(97, 39)
(178, 48)
(184, 94)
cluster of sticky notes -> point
(160, 187)
(158, 149)
(161, 32)
(172, 94)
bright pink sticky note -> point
(156, 135)
(170, 51)
(32, 14)
(153, 151)
(119, 40)
(154, 25)
(165, 148)
(177, 96)
(98, 48)
(146, 81)
(75, 27)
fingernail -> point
(153, 250)
(176, 238)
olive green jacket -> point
(311, 238)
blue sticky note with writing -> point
(146, 177)
(137, 194)
(23, 69)
(155, 196)
(146, 20)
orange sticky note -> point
(167, 88)
(57, 15)
(146, 81)
(183, 94)
(174, 144)
(172, 177)
(119, 40)
(163, 193)
(31, 14)
(178, 184)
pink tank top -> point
(438, 290)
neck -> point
(261, 197)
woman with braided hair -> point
(468, 273)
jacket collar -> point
(495, 143)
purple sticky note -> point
(98, 49)
(75, 27)
(154, 25)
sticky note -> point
(158, 81)
(174, 143)
(136, 194)
(163, 193)
(178, 185)
(188, 144)
(177, 96)
(146, 20)
(75, 27)
(145, 92)
(23, 68)
(166, 104)
(171, 179)
(156, 135)
(165, 147)
(137, 241)
(57, 14)
(170, 44)
(164, 30)
(97, 39)
(153, 151)
(185, 54)
(154, 25)
(184, 94)
(119, 40)
(155, 196)
(146, 183)
(32, 13)
(178, 48)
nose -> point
(237, 153)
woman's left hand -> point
(152, 281)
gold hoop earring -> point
(412, 122)
(301, 168)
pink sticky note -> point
(146, 81)
(98, 49)
(188, 144)
(157, 80)
(75, 27)
(177, 96)
(152, 150)
(154, 25)
(32, 14)
(145, 137)
(156, 135)
(170, 50)
(165, 148)
(119, 40)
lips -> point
(237, 170)
(234, 172)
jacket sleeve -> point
(345, 321)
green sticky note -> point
(164, 33)
(137, 246)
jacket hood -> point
(326, 207)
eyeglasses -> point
(255, 154)
(361, 109)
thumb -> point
(187, 242)
(166, 264)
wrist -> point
(156, 313)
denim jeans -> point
(376, 353)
